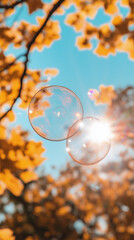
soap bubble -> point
(92, 94)
(91, 142)
(53, 110)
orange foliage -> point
(6, 234)
(76, 20)
(104, 96)
(28, 176)
(51, 71)
(63, 210)
(17, 160)
(77, 196)
(83, 43)
(109, 41)
(34, 5)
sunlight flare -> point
(100, 132)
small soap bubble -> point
(92, 93)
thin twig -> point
(4, 6)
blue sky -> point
(78, 71)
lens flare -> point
(92, 94)
(99, 131)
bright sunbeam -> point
(100, 132)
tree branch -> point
(4, 6)
(54, 8)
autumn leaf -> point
(33, 5)
(6, 233)
(112, 8)
(127, 46)
(105, 50)
(76, 20)
(18, 160)
(83, 43)
(51, 71)
(50, 34)
(28, 176)
(89, 30)
(2, 132)
(2, 187)
(125, 2)
(16, 139)
(117, 20)
(63, 210)
(11, 116)
(104, 96)
(9, 12)
(12, 183)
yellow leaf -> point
(121, 229)
(104, 50)
(2, 187)
(130, 230)
(125, 2)
(34, 5)
(12, 155)
(36, 113)
(83, 43)
(117, 20)
(24, 105)
(9, 12)
(2, 132)
(63, 210)
(16, 139)
(6, 234)
(89, 29)
(23, 164)
(51, 71)
(89, 10)
(105, 30)
(28, 176)
(12, 183)
(112, 8)
(76, 20)
(105, 96)
(50, 179)
(11, 116)
(3, 96)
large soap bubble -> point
(53, 110)
(91, 142)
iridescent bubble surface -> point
(53, 110)
(91, 142)
(92, 93)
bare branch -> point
(54, 8)
(4, 6)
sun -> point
(100, 132)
